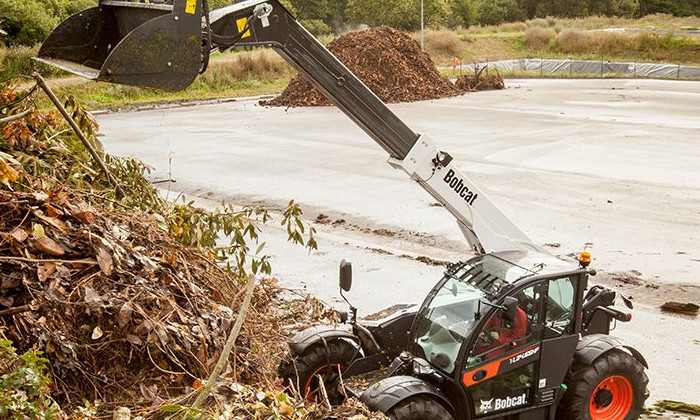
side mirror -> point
(345, 275)
(511, 305)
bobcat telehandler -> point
(514, 333)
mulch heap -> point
(389, 62)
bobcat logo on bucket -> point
(486, 406)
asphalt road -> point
(614, 163)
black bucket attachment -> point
(156, 44)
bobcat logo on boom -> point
(457, 184)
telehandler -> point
(514, 333)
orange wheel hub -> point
(612, 399)
(328, 373)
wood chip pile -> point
(389, 62)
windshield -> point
(447, 318)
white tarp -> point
(589, 67)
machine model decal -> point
(457, 184)
(523, 356)
(497, 366)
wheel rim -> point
(329, 374)
(612, 399)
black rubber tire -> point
(420, 407)
(298, 370)
(584, 380)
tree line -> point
(28, 22)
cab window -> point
(501, 333)
(560, 307)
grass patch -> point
(544, 41)
(678, 407)
(17, 61)
(260, 72)
(646, 46)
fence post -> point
(601, 68)
(635, 70)
(541, 67)
(571, 67)
(679, 72)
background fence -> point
(587, 68)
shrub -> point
(443, 44)
(259, 64)
(571, 40)
(538, 23)
(24, 384)
(539, 38)
(512, 27)
(26, 22)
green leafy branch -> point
(24, 384)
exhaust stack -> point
(155, 44)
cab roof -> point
(538, 263)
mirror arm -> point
(477, 315)
(353, 309)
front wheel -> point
(420, 407)
(317, 364)
(614, 387)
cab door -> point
(501, 367)
(560, 334)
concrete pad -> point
(608, 162)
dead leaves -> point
(48, 246)
(105, 261)
(44, 271)
(7, 173)
(124, 315)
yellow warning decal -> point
(191, 7)
(241, 25)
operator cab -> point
(487, 324)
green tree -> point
(217, 4)
(495, 12)
(563, 8)
(675, 7)
(400, 14)
(462, 13)
(529, 7)
(26, 22)
(331, 12)
(626, 8)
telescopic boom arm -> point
(268, 23)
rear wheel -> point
(317, 364)
(614, 387)
(420, 407)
